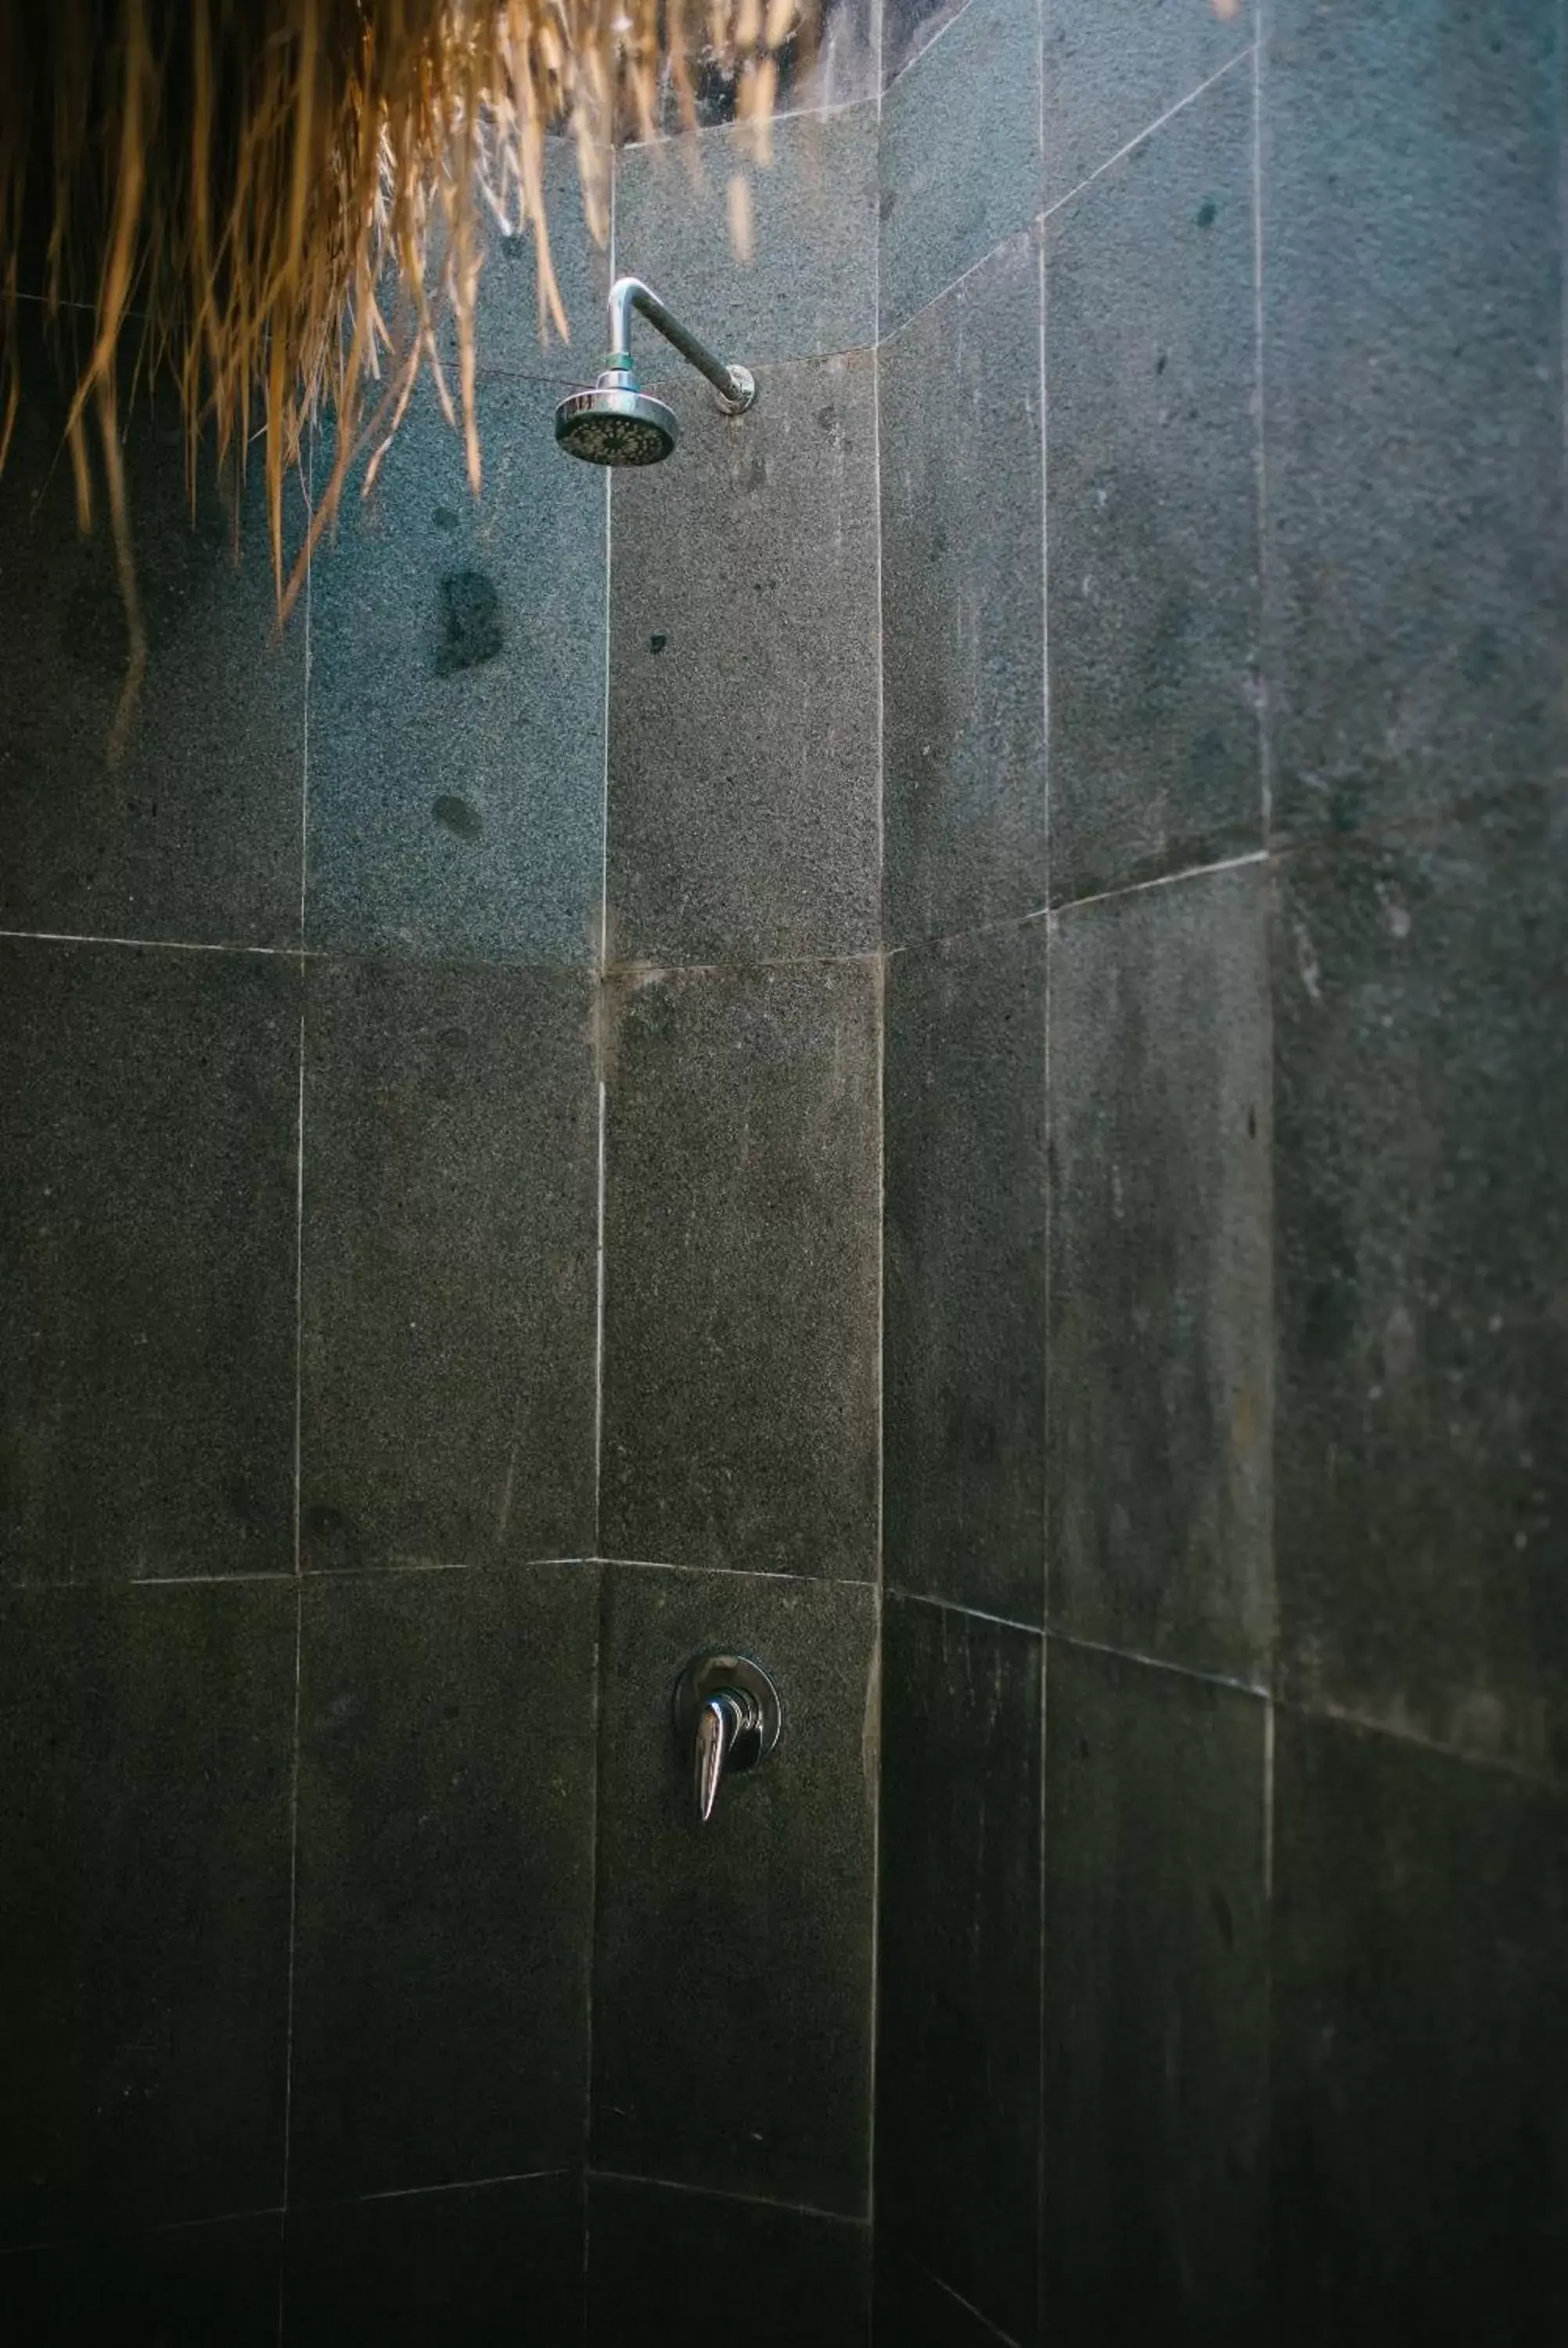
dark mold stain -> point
(457, 816)
(657, 643)
(1208, 213)
(445, 517)
(470, 622)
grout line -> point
(1268, 1727)
(1013, 236)
(924, 50)
(874, 1790)
(166, 946)
(1004, 2338)
(711, 2193)
(456, 2185)
(740, 1572)
(970, 1613)
(1257, 1688)
(293, 1913)
(1160, 881)
(1540, 1780)
(595, 1712)
(667, 140)
(284, 1577)
(1264, 735)
(1149, 129)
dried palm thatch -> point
(273, 203)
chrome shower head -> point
(616, 424)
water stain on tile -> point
(470, 622)
(457, 816)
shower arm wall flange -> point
(735, 386)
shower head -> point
(618, 423)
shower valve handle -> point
(727, 1718)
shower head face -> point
(616, 424)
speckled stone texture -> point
(744, 746)
(732, 1982)
(1151, 507)
(1114, 67)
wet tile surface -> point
(736, 1956)
(1156, 2005)
(450, 1276)
(1160, 1273)
(446, 1840)
(1413, 369)
(194, 833)
(786, 2275)
(143, 1814)
(809, 284)
(183, 2288)
(960, 154)
(147, 1257)
(1152, 506)
(744, 695)
(1113, 70)
(964, 1272)
(962, 605)
(959, 1956)
(741, 1271)
(492, 2266)
(1422, 1079)
(1420, 2057)
(457, 655)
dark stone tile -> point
(964, 1272)
(1413, 370)
(744, 750)
(1422, 1106)
(1113, 67)
(147, 1257)
(194, 834)
(1161, 1239)
(451, 1177)
(963, 605)
(491, 2266)
(832, 63)
(959, 1956)
(907, 27)
(182, 2287)
(445, 1877)
(740, 1332)
(1152, 506)
(508, 337)
(913, 2310)
(808, 287)
(783, 2276)
(731, 1991)
(144, 1816)
(1421, 2049)
(457, 653)
(1156, 2013)
(960, 154)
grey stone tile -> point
(492, 2265)
(963, 605)
(959, 1956)
(180, 2287)
(1159, 1425)
(1418, 562)
(1113, 67)
(809, 286)
(741, 1334)
(147, 1258)
(907, 27)
(509, 340)
(964, 1272)
(831, 62)
(1156, 2005)
(732, 1988)
(143, 1814)
(913, 2310)
(959, 157)
(457, 663)
(788, 2275)
(1421, 1100)
(444, 1878)
(194, 833)
(1152, 506)
(449, 1267)
(1420, 2049)
(744, 750)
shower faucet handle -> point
(727, 1718)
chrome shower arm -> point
(733, 384)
